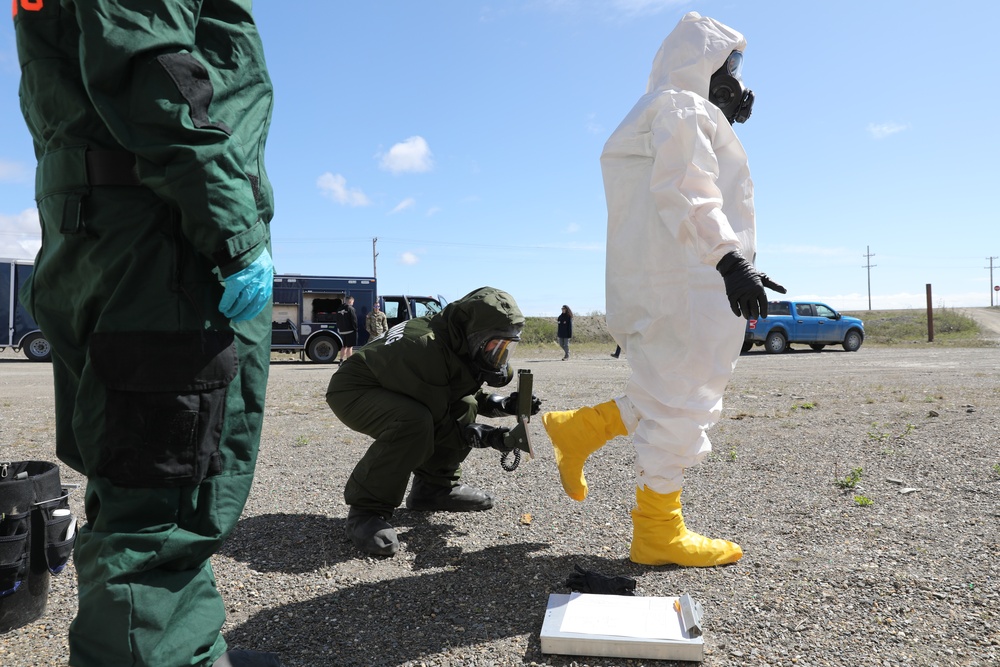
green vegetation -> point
(851, 480)
(882, 327)
(863, 501)
(906, 327)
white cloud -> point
(433, 210)
(20, 235)
(412, 155)
(335, 187)
(883, 130)
(572, 228)
(592, 126)
(409, 258)
(403, 205)
(14, 172)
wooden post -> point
(930, 316)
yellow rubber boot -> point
(659, 536)
(575, 435)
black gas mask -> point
(726, 90)
(491, 352)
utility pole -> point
(990, 267)
(374, 260)
(868, 256)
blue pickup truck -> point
(814, 324)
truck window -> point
(391, 309)
(825, 311)
(421, 308)
(778, 308)
(805, 310)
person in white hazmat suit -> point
(681, 239)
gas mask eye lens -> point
(734, 65)
(497, 351)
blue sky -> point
(466, 137)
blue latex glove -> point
(248, 290)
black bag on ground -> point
(37, 533)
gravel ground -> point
(910, 579)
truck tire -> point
(818, 347)
(36, 348)
(323, 349)
(853, 340)
(747, 345)
(776, 343)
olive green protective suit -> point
(413, 390)
(149, 121)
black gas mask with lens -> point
(726, 90)
(491, 351)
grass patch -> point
(850, 481)
(907, 327)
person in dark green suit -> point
(417, 391)
(153, 285)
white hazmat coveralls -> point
(679, 198)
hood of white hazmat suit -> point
(691, 53)
(679, 197)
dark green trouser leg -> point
(404, 439)
(147, 593)
(443, 467)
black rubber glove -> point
(587, 581)
(745, 286)
(502, 406)
(481, 436)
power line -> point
(868, 256)
(990, 267)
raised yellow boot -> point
(659, 536)
(575, 435)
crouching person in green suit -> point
(417, 391)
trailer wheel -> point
(36, 348)
(322, 349)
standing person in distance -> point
(347, 326)
(564, 330)
(681, 241)
(376, 323)
(153, 285)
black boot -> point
(428, 498)
(371, 533)
(247, 659)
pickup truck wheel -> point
(322, 350)
(775, 342)
(852, 341)
(817, 346)
(746, 347)
(36, 348)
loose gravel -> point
(901, 569)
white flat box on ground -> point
(617, 626)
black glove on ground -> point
(481, 436)
(587, 581)
(502, 406)
(745, 286)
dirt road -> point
(896, 565)
(987, 318)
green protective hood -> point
(478, 315)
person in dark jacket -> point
(153, 285)
(417, 391)
(564, 330)
(347, 325)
